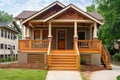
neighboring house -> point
(59, 35)
(8, 39)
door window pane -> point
(37, 34)
(45, 34)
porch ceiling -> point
(60, 24)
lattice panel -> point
(36, 58)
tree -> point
(91, 8)
(5, 17)
(110, 31)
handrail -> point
(76, 48)
(49, 47)
(106, 57)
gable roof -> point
(8, 24)
(44, 9)
(28, 15)
(25, 14)
(96, 15)
(77, 9)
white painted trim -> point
(79, 10)
(65, 37)
(41, 11)
(50, 30)
(68, 20)
(75, 29)
(84, 32)
(95, 31)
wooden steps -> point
(63, 60)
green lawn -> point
(22, 74)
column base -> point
(75, 38)
(50, 39)
(95, 38)
(27, 38)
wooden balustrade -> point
(89, 45)
(33, 44)
(105, 57)
(78, 55)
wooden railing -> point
(33, 44)
(78, 54)
(49, 47)
(105, 57)
(89, 45)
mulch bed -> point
(84, 68)
(87, 70)
(92, 68)
(22, 66)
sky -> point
(14, 7)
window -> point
(11, 35)
(9, 46)
(37, 34)
(2, 46)
(2, 33)
(14, 37)
(81, 35)
(5, 34)
(5, 46)
(8, 35)
(45, 34)
(13, 47)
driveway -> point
(106, 74)
(63, 75)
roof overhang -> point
(41, 11)
(77, 9)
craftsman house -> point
(59, 35)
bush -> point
(2, 60)
(118, 77)
(83, 61)
(117, 57)
(9, 59)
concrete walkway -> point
(63, 75)
(106, 74)
(115, 68)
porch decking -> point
(65, 59)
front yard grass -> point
(22, 74)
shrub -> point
(83, 61)
(2, 60)
(118, 77)
(117, 57)
(9, 59)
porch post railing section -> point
(33, 44)
(89, 44)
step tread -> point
(63, 68)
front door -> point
(61, 39)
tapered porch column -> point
(75, 33)
(23, 29)
(95, 31)
(27, 33)
(50, 30)
(75, 30)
